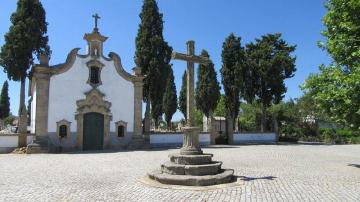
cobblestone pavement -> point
(269, 173)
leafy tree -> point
(4, 101)
(207, 87)
(153, 55)
(337, 94)
(269, 62)
(198, 118)
(342, 32)
(249, 116)
(220, 107)
(336, 88)
(9, 120)
(26, 36)
(182, 96)
(170, 99)
(233, 60)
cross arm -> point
(189, 58)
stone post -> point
(138, 97)
(42, 78)
(190, 99)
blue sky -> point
(208, 22)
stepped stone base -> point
(199, 170)
(138, 143)
(192, 170)
(225, 176)
(35, 148)
(39, 145)
(191, 159)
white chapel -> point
(87, 103)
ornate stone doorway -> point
(93, 131)
(93, 118)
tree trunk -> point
(168, 122)
(22, 124)
(147, 121)
(211, 128)
(230, 129)
(276, 127)
(263, 118)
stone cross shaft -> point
(191, 59)
(97, 17)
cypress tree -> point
(233, 60)
(170, 99)
(153, 56)
(26, 36)
(4, 101)
(207, 87)
(182, 96)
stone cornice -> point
(120, 70)
(95, 36)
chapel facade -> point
(87, 103)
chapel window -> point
(63, 131)
(94, 75)
(121, 131)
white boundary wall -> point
(10, 142)
(175, 139)
(243, 138)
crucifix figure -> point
(191, 133)
(97, 17)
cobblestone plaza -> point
(265, 173)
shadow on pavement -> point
(354, 165)
(245, 178)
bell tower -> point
(95, 40)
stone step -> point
(180, 169)
(225, 176)
(191, 159)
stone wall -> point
(244, 138)
(175, 139)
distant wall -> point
(8, 142)
(243, 138)
(175, 139)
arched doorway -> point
(93, 137)
(93, 118)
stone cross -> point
(191, 59)
(97, 17)
(191, 133)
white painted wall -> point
(68, 87)
(176, 138)
(9, 141)
(254, 138)
(33, 111)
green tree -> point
(342, 32)
(153, 55)
(207, 87)
(4, 101)
(170, 99)
(269, 62)
(220, 107)
(337, 94)
(182, 96)
(233, 60)
(26, 36)
(336, 88)
(249, 116)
